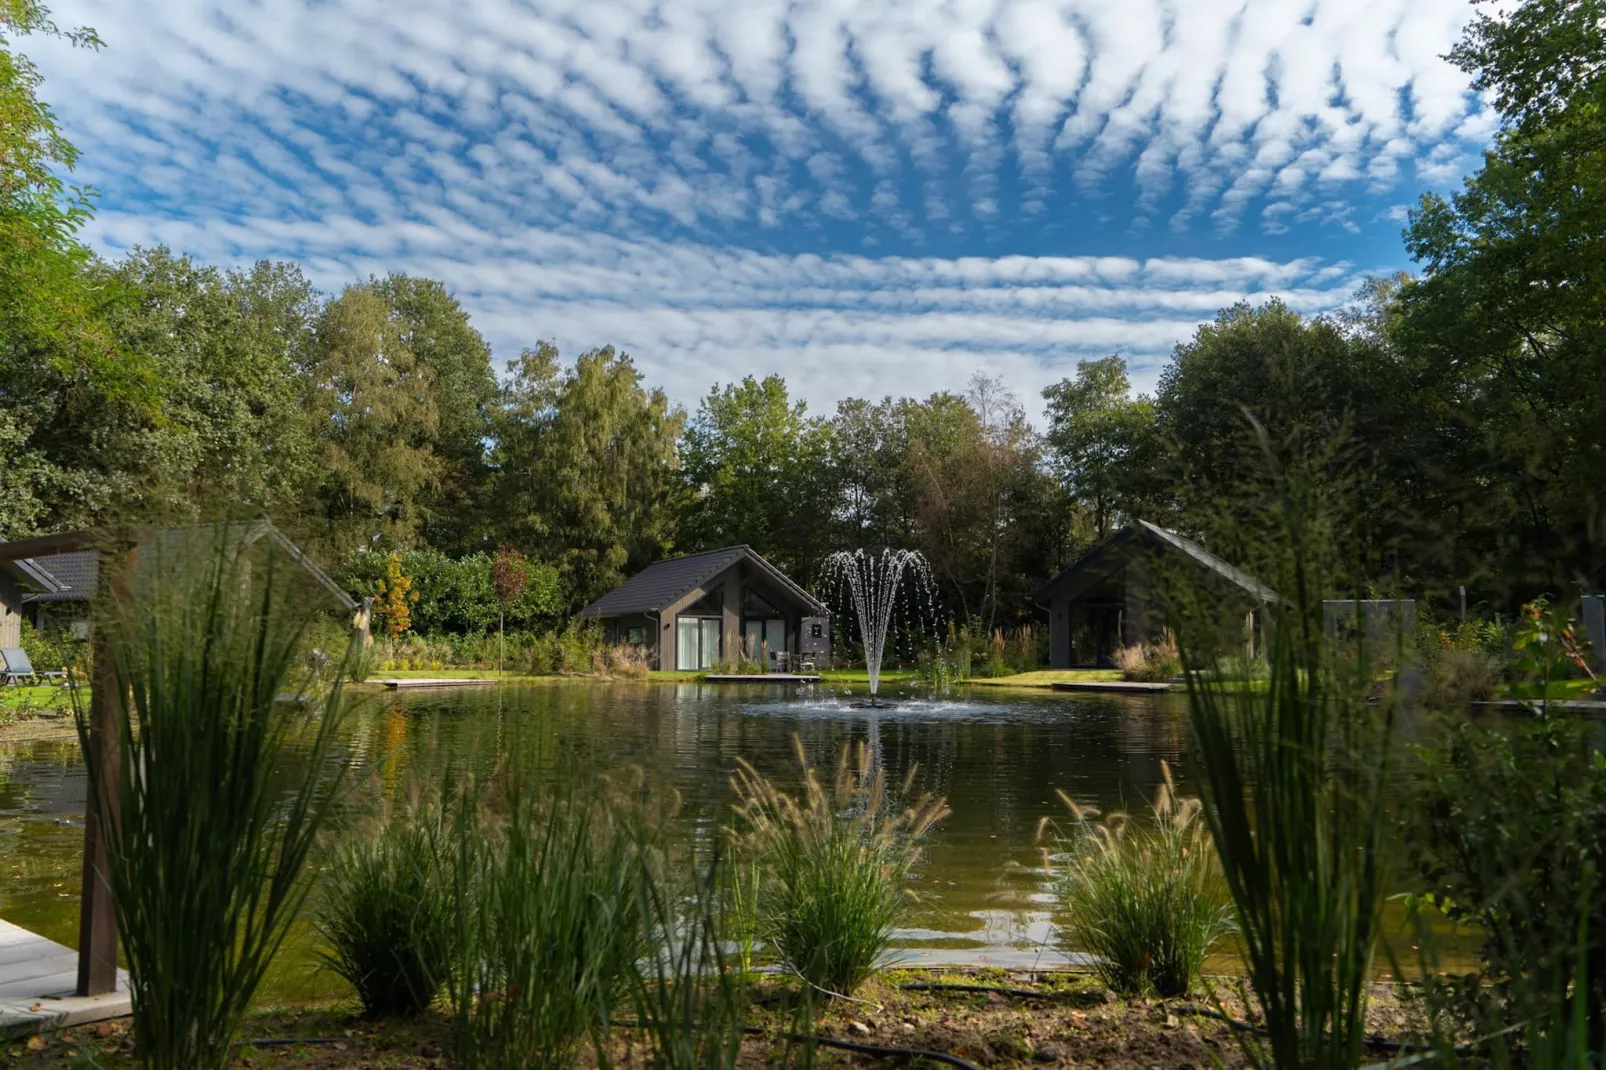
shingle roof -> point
(1170, 540)
(660, 584)
(63, 577)
(75, 576)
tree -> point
(983, 514)
(585, 467)
(510, 575)
(1102, 441)
(66, 391)
(373, 404)
(396, 596)
(433, 327)
(756, 471)
(226, 350)
(1510, 309)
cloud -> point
(655, 173)
(652, 113)
(835, 326)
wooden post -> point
(97, 921)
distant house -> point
(726, 605)
(57, 576)
(1115, 595)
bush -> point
(385, 915)
(835, 863)
(1150, 662)
(546, 889)
(457, 596)
(222, 789)
(1509, 835)
(1147, 903)
(1458, 676)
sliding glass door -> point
(696, 643)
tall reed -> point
(836, 863)
(690, 996)
(384, 913)
(223, 786)
(1294, 776)
(1146, 901)
(546, 879)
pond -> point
(998, 755)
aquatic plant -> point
(384, 913)
(690, 998)
(836, 863)
(546, 885)
(223, 786)
(1294, 775)
(1146, 901)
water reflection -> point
(998, 757)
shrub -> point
(689, 998)
(384, 915)
(1458, 676)
(222, 789)
(1295, 778)
(547, 916)
(1508, 834)
(1150, 662)
(1147, 903)
(624, 660)
(835, 864)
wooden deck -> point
(761, 678)
(432, 681)
(37, 979)
(1131, 687)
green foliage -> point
(1295, 776)
(755, 464)
(689, 998)
(1511, 299)
(384, 913)
(835, 862)
(457, 596)
(546, 880)
(1147, 902)
(223, 788)
(1150, 662)
(585, 464)
(1508, 833)
(1102, 441)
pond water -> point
(999, 757)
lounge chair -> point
(18, 668)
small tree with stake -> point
(396, 597)
(510, 575)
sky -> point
(869, 197)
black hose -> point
(845, 1045)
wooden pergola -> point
(118, 550)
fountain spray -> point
(873, 580)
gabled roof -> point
(69, 577)
(664, 582)
(56, 569)
(1155, 535)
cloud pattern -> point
(867, 196)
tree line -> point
(1456, 417)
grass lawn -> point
(506, 676)
(1048, 677)
(25, 701)
(1560, 690)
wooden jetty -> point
(432, 681)
(1130, 687)
(38, 985)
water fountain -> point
(873, 580)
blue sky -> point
(868, 196)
